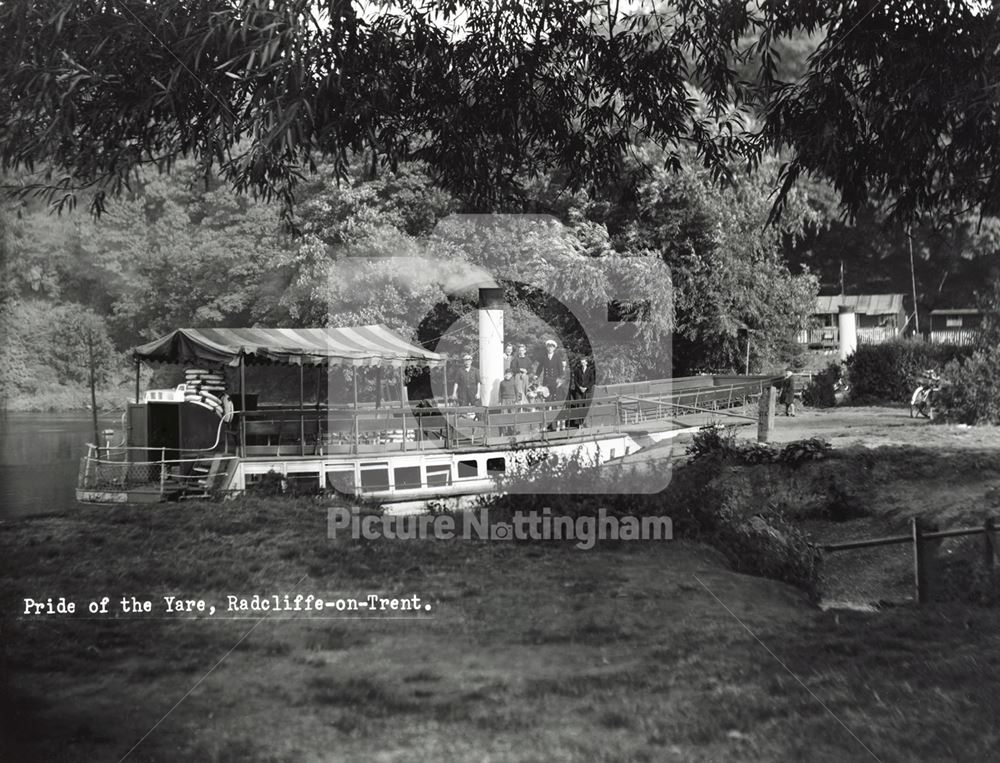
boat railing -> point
(322, 431)
(116, 469)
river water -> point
(40, 459)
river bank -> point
(629, 651)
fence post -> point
(163, 470)
(765, 418)
(923, 558)
(988, 551)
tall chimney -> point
(847, 324)
(490, 344)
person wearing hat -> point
(552, 373)
(581, 389)
(786, 393)
(466, 388)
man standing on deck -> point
(581, 389)
(552, 370)
(466, 389)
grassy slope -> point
(530, 652)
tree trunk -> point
(93, 393)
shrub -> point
(800, 451)
(719, 444)
(889, 372)
(821, 392)
(713, 441)
(971, 393)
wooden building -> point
(955, 325)
(880, 318)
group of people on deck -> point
(546, 377)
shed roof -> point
(866, 304)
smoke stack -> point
(847, 324)
(490, 344)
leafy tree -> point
(897, 103)
(260, 90)
(82, 351)
(729, 276)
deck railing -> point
(300, 432)
(120, 469)
(289, 432)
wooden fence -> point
(925, 541)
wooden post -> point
(163, 469)
(93, 392)
(444, 370)
(765, 420)
(138, 367)
(319, 424)
(921, 562)
(302, 413)
(357, 429)
(989, 527)
(243, 407)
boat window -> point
(438, 475)
(341, 480)
(496, 465)
(303, 482)
(407, 477)
(375, 478)
(468, 469)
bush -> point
(718, 443)
(800, 451)
(713, 441)
(821, 392)
(889, 372)
(971, 392)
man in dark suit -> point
(466, 388)
(581, 389)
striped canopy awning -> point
(353, 346)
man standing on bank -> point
(581, 389)
(466, 389)
(786, 393)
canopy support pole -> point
(302, 413)
(444, 368)
(378, 387)
(243, 407)
(357, 431)
(402, 386)
(319, 428)
(138, 368)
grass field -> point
(630, 651)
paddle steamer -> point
(184, 442)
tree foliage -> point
(899, 102)
(259, 90)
